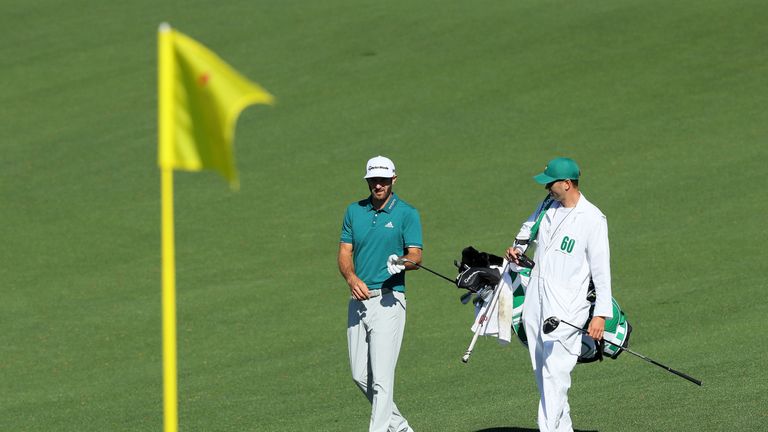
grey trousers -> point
(374, 335)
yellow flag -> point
(201, 98)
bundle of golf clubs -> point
(489, 293)
(476, 276)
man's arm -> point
(357, 287)
(413, 254)
(412, 239)
(599, 258)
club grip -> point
(678, 373)
(524, 261)
(688, 377)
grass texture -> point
(661, 103)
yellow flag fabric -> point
(205, 98)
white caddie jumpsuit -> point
(571, 248)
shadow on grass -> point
(517, 429)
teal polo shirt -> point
(375, 235)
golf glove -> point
(394, 266)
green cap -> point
(558, 169)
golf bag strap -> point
(545, 205)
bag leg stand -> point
(483, 321)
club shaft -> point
(431, 271)
(649, 360)
(482, 323)
(669, 369)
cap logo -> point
(379, 166)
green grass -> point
(662, 103)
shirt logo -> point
(389, 225)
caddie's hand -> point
(394, 265)
(512, 254)
(596, 327)
(358, 288)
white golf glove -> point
(394, 265)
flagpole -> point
(165, 137)
(170, 369)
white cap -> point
(379, 167)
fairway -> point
(663, 104)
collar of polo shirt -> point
(390, 204)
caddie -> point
(377, 233)
(571, 239)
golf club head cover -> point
(475, 279)
(471, 257)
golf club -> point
(404, 260)
(483, 321)
(464, 297)
(551, 323)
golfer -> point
(571, 237)
(377, 233)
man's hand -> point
(394, 265)
(596, 327)
(513, 254)
(358, 288)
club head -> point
(550, 324)
(466, 297)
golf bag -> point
(480, 273)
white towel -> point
(499, 322)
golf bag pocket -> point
(617, 330)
